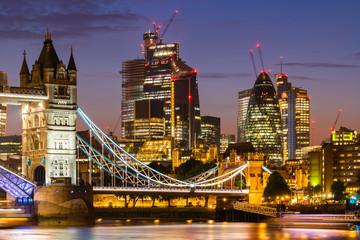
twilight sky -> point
(319, 40)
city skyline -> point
(324, 64)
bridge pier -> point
(64, 205)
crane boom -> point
(337, 118)
(169, 23)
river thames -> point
(174, 231)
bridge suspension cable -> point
(135, 172)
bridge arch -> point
(39, 175)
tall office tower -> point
(210, 130)
(169, 79)
(133, 73)
(295, 117)
(243, 103)
(263, 122)
(3, 108)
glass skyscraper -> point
(132, 89)
(263, 123)
(243, 103)
(210, 130)
(295, 117)
(162, 76)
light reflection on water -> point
(195, 231)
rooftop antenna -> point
(252, 59)
(262, 64)
(281, 64)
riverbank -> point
(170, 214)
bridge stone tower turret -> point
(49, 126)
(254, 177)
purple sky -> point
(319, 40)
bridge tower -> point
(254, 177)
(49, 126)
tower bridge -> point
(19, 96)
(48, 99)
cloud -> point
(354, 55)
(303, 78)
(28, 19)
(320, 65)
(222, 75)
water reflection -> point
(174, 231)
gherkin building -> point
(263, 121)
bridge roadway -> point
(177, 191)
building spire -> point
(48, 35)
(48, 63)
(24, 67)
(71, 65)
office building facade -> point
(295, 117)
(133, 73)
(263, 122)
(163, 76)
(243, 103)
(210, 130)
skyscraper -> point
(295, 117)
(169, 79)
(243, 103)
(162, 76)
(3, 108)
(210, 130)
(133, 74)
(263, 122)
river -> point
(108, 230)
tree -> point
(338, 190)
(240, 182)
(276, 186)
(156, 165)
(193, 167)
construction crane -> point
(337, 118)
(111, 133)
(312, 133)
(168, 25)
